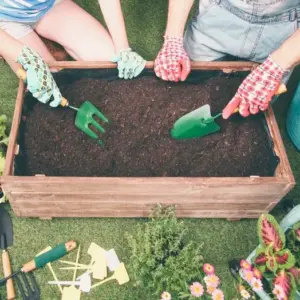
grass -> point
(223, 240)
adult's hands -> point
(256, 91)
(172, 62)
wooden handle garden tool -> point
(21, 73)
(43, 259)
(6, 240)
(10, 289)
(200, 122)
(87, 115)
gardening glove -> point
(39, 78)
(256, 91)
(130, 64)
(172, 62)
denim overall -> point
(247, 29)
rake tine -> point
(100, 116)
(21, 288)
(27, 285)
(34, 285)
(97, 126)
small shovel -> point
(86, 113)
(6, 240)
(200, 122)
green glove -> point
(39, 78)
(130, 64)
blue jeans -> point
(247, 29)
(221, 28)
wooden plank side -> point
(136, 199)
(215, 65)
(10, 154)
(138, 213)
(284, 168)
(205, 187)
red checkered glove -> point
(172, 63)
(256, 91)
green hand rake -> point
(85, 117)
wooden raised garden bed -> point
(196, 197)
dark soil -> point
(138, 142)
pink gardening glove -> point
(172, 63)
(256, 91)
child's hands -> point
(130, 64)
(256, 91)
(39, 78)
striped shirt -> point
(24, 11)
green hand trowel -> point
(85, 117)
(200, 122)
(195, 124)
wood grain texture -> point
(227, 66)
(12, 144)
(230, 198)
(10, 289)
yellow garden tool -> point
(85, 116)
(200, 122)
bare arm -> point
(177, 16)
(114, 19)
(288, 54)
(10, 48)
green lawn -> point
(223, 240)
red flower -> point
(208, 269)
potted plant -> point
(277, 258)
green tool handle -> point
(54, 254)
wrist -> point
(285, 60)
(121, 46)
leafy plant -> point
(277, 257)
(286, 281)
(161, 258)
(272, 255)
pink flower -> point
(245, 294)
(248, 275)
(212, 280)
(208, 269)
(257, 273)
(256, 284)
(210, 290)
(245, 265)
(278, 292)
(217, 295)
(197, 289)
(166, 296)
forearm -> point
(288, 54)
(112, 12)
(177, 16)
(10, 48)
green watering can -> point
(85, 117)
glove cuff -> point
(174, 39)
(277, 66)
